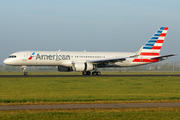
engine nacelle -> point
(64, 69)
(89, 66)
(81, 66)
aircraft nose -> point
(6, 61)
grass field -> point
(94, 114)
(89, 90)
(102, 72)
(59, 90)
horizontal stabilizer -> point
(163, 56)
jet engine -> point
(64, 69)
(81, 66)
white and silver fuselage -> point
(57, 58)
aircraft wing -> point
(163, 56)
(108, 60)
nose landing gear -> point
(25, 73)
(24, 70)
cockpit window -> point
(12, 56)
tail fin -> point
(153, 46)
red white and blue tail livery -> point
(150, 51)
(90, 61)
(153, 46)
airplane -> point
(86, 62)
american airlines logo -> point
(31, 56)
(52, 57)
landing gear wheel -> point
(25, 73)
(84, 72)
(88, 73)
(96, 73)
(24, 70)
(93, 73)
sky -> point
(91, 25)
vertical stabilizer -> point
(140, 50)
(153, 46)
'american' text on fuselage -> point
(52, 57)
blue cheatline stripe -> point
(157, 34)
(147, 47)
(159, 31)
(162, 28)
(154, 37)
(150, 44)
(152, 41)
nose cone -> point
(7, 61)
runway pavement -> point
(88, 106)
(89, 76)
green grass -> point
(41, 73)
(104, 89)
(102, 72)
(107, 89)
(96, 114)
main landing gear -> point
(96, 73)
(93, 73)
(24, 70)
